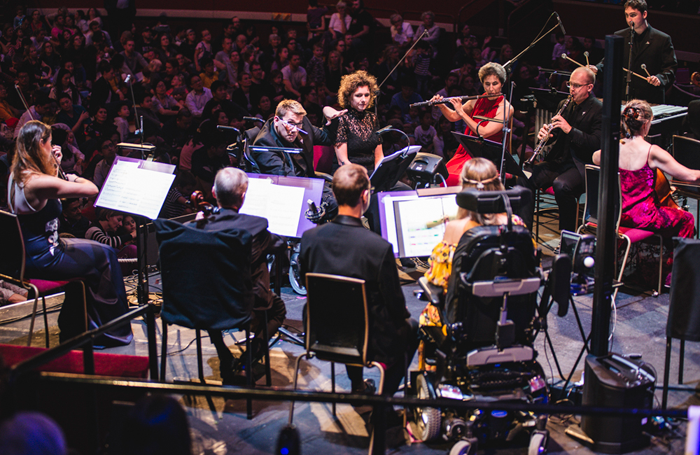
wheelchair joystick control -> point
(314, 214)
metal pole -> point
(608, 199)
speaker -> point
(617, 381)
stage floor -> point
(220, 427)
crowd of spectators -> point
(95, 87)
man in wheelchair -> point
(290, 128)
(478, 341)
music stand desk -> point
(490, 150)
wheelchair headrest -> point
(493, 201)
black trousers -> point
(568, 184)
(275, 317)
(397, 369)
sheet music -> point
(391, 233)
(279, 204)
(420, 223)
(132, 189)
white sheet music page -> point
(132, 189)
(422, 223)
(280, 205)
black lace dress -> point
(356, 128)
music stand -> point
(548, 100)
(137, 187)
(492, 151)
(392, 167)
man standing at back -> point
(651, 48)
(344, 247)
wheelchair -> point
(483, 349)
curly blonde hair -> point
(351, 82)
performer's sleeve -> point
(668, 64)
(270, 163)
(588, 141)
(390, 287)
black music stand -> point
(492, 151)
(548, 100)
(392, 167)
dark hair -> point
(349, 181)
(29, 157)
(63, 95)
(639, 5)
(216, 84)
(104, 66)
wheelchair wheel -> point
(294, 274)
(427, 419)
(538, 443)
(463, 447)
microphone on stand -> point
(561, 25)
(127, 79)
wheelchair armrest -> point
(431, 292)
(322, 175)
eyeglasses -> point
(575, 86)
(291, 125)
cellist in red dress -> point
(492, 76)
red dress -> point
(641, 210)
(485, 108)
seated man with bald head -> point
(230, 188)
(575, 135)
(344, 247)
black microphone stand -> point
(425, 33)
(506, 130)
(507, 66)
(628, 79)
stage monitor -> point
(414, 222)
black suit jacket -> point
(276, 163)
(264, 243)
(655, 50)
(578, 146)
(344, 247)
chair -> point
(628, 235)
(207, 285)
(337, 325)
(684, 305)
(687, 152)
(12, 263)
(546, 197)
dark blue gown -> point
(52, 258)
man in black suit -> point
(576, 133)
(650, 47)
(290, 128)
(230, 187)
(344, 247)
